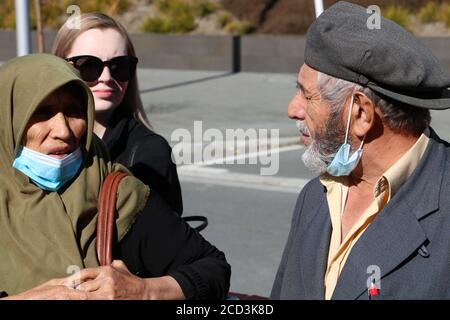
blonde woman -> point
(103, 53)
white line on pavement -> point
(233, 158)
(199, 173)
(243, 180)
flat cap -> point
(388, 60)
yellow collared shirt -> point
(385, 188)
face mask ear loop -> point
(348, 121)
(362, 142)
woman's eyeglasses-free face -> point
(122, 68)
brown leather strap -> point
(106, 216)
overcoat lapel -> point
(396, 232)
(313, 251)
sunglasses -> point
(122, 68)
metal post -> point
(39, 27)
(318, 5)
(22, 28)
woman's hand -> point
(105, 283)
(55, 289)
(117, 282)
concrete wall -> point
(269, 53)
(253, 53)
(184, 52)
(8, 48)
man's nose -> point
(296, 108)
(60, 127)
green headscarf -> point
(44, 234)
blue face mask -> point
(47, 172)
(343, 164)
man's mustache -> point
(301, 126)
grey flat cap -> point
(388, 60)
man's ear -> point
(363, 114)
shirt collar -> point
(397, 174)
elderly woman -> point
(51, 169)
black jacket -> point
(146, 154)
(160, 243)
(408, 242)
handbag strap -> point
(106, 216)
(202, 219)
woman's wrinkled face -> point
(104, 44)
(58, 124)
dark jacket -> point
(146, 154)
(161, 243)
(409, 240)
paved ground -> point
(249, 213)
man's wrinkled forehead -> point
(307, 79)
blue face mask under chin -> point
(343, 164)
(47, 172)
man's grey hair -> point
(395, 115)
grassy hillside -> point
(232, 16)
(54, 13)
(294, 16)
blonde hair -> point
(66, 37)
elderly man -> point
(376, 223)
